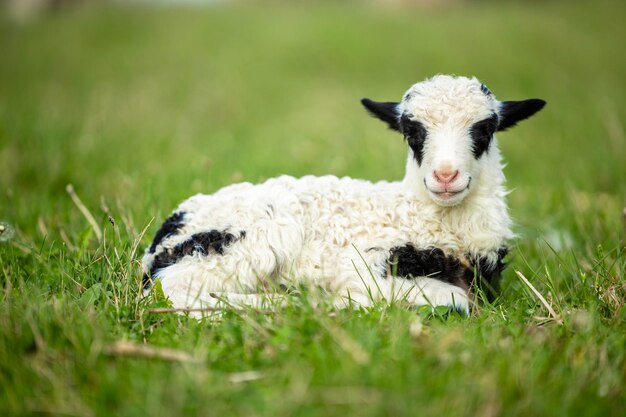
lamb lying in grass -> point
(426, 239)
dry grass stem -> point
(205, 310)
(248, 376)
(348, 344)
(540, 297)
(125, 348)
(84, 210)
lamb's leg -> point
(247, 265)
(431, 291)
(192, 281)
(418, 292)
(209, 304)
(365, 279)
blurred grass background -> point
(141, 105)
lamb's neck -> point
(481, 221)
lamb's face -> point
(449, 124)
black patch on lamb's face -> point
(482, 134)
(415, 133)
(204, 243)
(169, 227)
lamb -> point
(427, 239)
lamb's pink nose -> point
(446, 176)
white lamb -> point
(426, 239)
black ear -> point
(385, 111)
(512, 112)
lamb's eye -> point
(481, 133)
(415, 134)
(412, 129)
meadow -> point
(110, 116)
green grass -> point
(140, 108)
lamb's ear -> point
(385, 111)
(512, 112)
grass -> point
(139, 108)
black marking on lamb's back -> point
(145, 281)
(486, 91)
(170, 226)
(415, 134)
(482, 134)
(204, 243)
